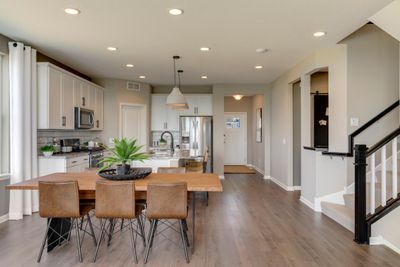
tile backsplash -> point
(46, 137)
(156, 136)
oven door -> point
(84, 118)
(94, 160)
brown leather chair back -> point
(194, 166)
(167, 200)
(115, 199)
(59, 199)
(171, 170)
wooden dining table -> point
(196, 182)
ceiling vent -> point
(133, 86)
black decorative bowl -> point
(133, 174)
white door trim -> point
(247, 137)
(144, 106)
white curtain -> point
(23, 127)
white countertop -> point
(66, 155)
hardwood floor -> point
(252, 223)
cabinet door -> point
(202, 105)
(78, 102)
(172, 119)
(85, 94)
(191, 102)
(67, 108)
(76, 168)
(91, 101)
(55, 96)
(158, 113)
(98, 109)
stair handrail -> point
(369, 123)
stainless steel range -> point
(96, 154)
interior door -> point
(133, 123)
(235, 138)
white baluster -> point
(372, 185)
(394, 168)
(383, 182)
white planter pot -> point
(48, 154)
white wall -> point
(115, 93)
(219, 93)
(258, 149)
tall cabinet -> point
(59, 92)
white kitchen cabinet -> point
(59, 92)
(98, 108)
(62, 163)
(154, 164)
(163, 118)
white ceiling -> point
(147, 36)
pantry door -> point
(133, 123)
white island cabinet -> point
(155, 163)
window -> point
(4, 117)
(233, 123)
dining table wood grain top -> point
(196, 182)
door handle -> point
(64, 121)
(97, 123)
(83, 101)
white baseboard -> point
(267, 177)
(379, 240)
(296, 188)
(307, 203)
(221, 177)
(282, 185)
(4, 218)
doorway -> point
(235, 138)
(296, 134)
(133, 123)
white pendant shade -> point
(177, 99)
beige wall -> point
(258, 150)
(219, 93)
(319, 82)
(186, 89)
(115, 93)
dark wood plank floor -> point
(253, 223)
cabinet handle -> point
(196, 110)
(64, 120)
(98, 124)
(166, 125)
(83, 101)
(74, 161)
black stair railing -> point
(363, 218)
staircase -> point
(375, 192)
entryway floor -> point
(238, 169)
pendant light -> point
(185, 107)
(176, 98)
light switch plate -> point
(354, 122)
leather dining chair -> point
(116, 200)
(171, 170)
(61, 200)
(166, 201)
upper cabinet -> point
(59, 92)
(164, 118)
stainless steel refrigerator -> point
(196, 137)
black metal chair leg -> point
(185, 232)
(122, 224)
(183, 240)
(133, 240)
(102, 230)
(78, 240)
(91, 230)
(44, 241)
(154, 231)
(150, 240)
(141, 228)
(207, 199)
(111, 231)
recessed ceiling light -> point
(205, 49)
(142, 77)
(175, 11)
(130, 65)
(72, 11)
(111, 48)
(204, 77)
(319, 34)
(258, 67)
(261, 50)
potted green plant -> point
(123, 153)
(47, 150)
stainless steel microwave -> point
(84, 118)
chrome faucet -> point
(172, 139)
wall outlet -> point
(354, 122)
(284, 141)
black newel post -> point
(361, 231)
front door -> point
(235, 138)
(133, 123)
